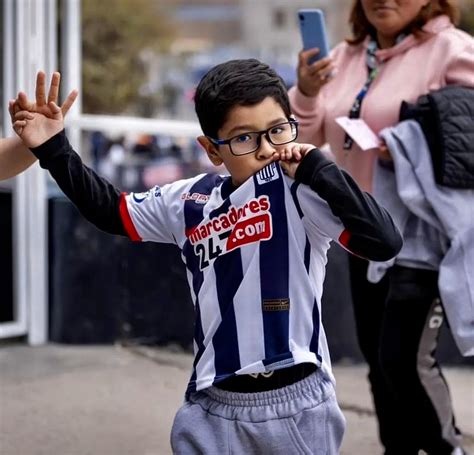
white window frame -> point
(29, 45)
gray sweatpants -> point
(303, 418)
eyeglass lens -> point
(278, 135)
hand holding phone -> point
(313, 32)
(315, 67)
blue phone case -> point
(313, 32)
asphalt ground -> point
(113, 400)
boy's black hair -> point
(236, 83)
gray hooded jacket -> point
(437, 224)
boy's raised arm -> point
(43, 133)
(95, 197)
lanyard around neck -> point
(373, 67)
(372, 71)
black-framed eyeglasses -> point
(249, 142)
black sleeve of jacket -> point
(96, 198)
(372, 232)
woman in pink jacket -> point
(400, 49)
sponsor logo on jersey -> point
(157, 191)
(276, 304)
(198, 198)
(250, 231)
(237, 227)
(267, 174)
(140, 197)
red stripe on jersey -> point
(127, 220)
(344, 238)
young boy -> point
(254, 244)
(14, 157)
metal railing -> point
(117, 124)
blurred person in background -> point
(14, 156)
(145, 147)
(400, 49)
(99, 146)
(113, 157)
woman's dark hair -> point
(236, 83)
(361, 27)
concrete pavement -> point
(111, 400)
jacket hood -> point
(432, 27)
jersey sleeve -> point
(155, 215)
(367, 228)
(317, 214)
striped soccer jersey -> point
(255, 260)
(255, 256)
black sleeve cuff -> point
(53, 147)
(310, 165)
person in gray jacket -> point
(430, 277)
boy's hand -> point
(34, 129)
(291, 156)
(43, 114)
(41, 105)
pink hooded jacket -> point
(409, 69)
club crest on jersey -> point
(237, 227)
(267, 174)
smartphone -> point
(313, 32)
